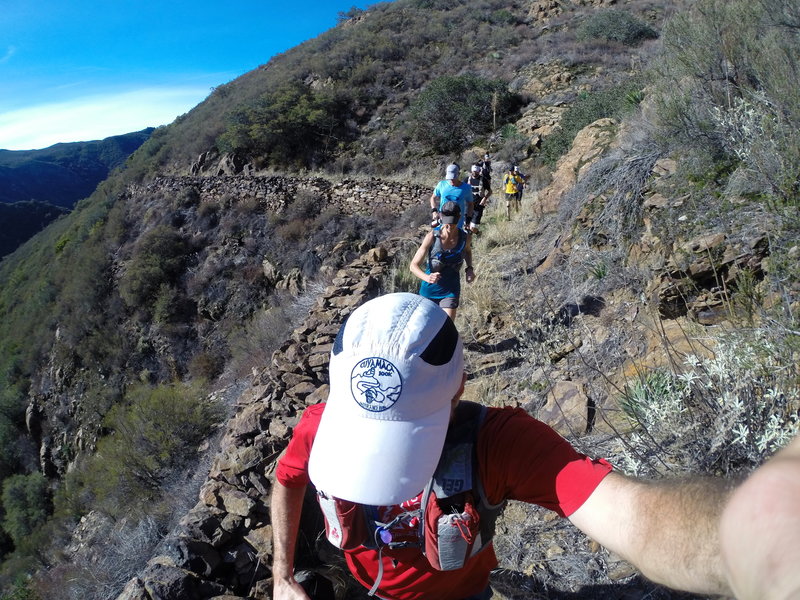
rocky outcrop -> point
(700, 274)
(544, 10)
(212, 163)
(590, 143)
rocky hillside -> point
(224, 223)
(162, 272)
(165, 337)
(568, 355)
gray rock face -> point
(224, 544)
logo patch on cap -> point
(376, 384)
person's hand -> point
(470, 273)
(288, 589)
(434, 277)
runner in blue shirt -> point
(452, 189)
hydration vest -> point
(455, 520)
(440, 258)
(476, 182)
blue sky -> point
(78, 70)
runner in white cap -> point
(410, 480)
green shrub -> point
(206, 366)
(152, 432)
(614, 25)
(26, 504)
(61, 243)
(503, 16)
(163, 307)
(613, 102)
(172, 306)
(346, 15)
(452, 112)
(12, 413)
(293, 125)
(20, 590)
(158, 260)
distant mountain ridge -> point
(64, 173)
(37, 186)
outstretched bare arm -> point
(415, 266)
(668, 529)
(286, 506)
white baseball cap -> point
(395, 367)
(452, 171)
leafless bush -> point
(400, 278)
(253, 343)
(612, 191)
(101, 573)
(312, 292)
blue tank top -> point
(446, 262)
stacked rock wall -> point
(223, 546)
(349, 196)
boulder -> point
(567, 408)
(164, 581)
(590, 143)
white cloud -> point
(95, 117)
(11, 51)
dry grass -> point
(499, 239)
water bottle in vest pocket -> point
(345, 523)
(451, 532)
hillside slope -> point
(378, 94)
(545, 329)
(643, 303)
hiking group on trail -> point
(456, 211)
(410, 479)
(455, 215)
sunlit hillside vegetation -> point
(349, 100)
(130, 316)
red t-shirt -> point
(519, 458)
